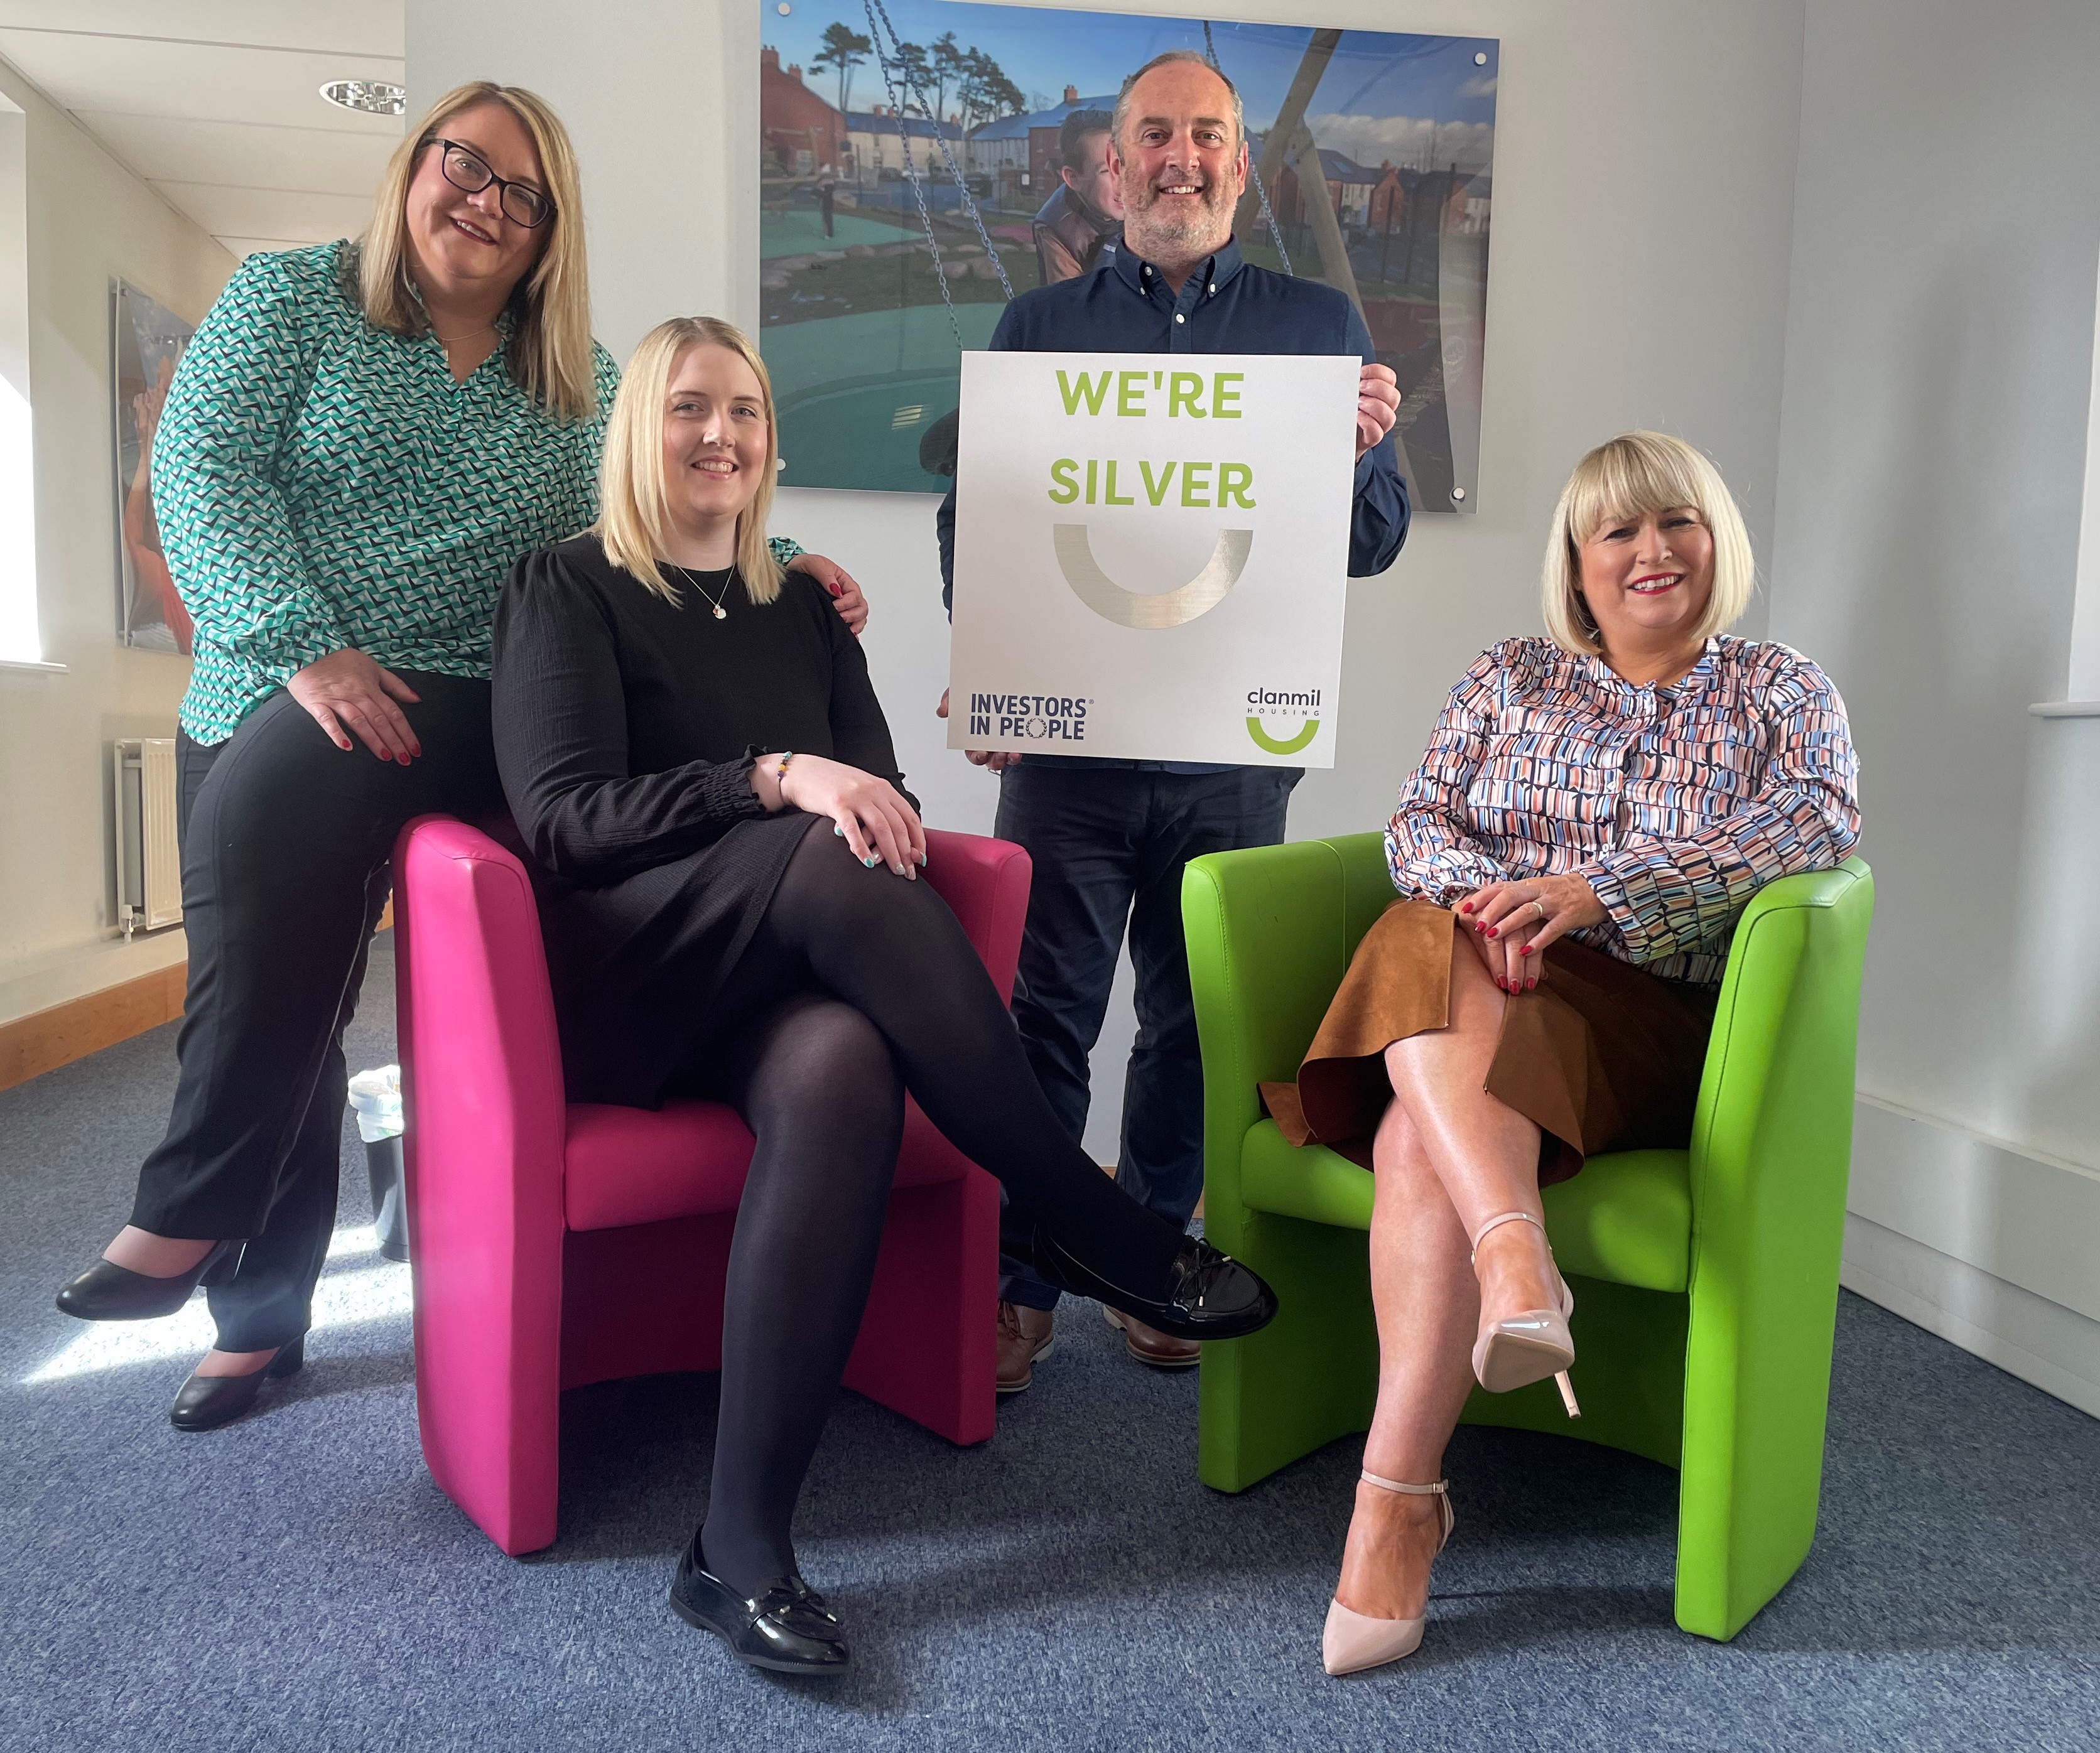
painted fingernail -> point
(838, 830)
(869, 861)
(1465, 907)
(1531, 949)
(1494, 931)
(1530, 984)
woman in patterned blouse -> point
(1593, 812)
(359, 442)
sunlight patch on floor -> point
(349, 1295)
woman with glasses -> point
(359, 442)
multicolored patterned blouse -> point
(1674, 804)
(321, 484)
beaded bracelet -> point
(780, 766)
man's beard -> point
(1204, 229)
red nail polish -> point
(1494, 931)
(1531, 949)
(1465, 906)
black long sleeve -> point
(625, 726)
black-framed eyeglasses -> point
(465, 169)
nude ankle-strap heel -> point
(1530, 1346)
(1352, 1641)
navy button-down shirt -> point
(1123, 305)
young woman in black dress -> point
(677, 723)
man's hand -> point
(992, 760)
(1377, 405)
(846, 596)
(345, 691)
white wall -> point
(1939, 343)
(89, 220)
(1644, 190)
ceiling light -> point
(367, 97)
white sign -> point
(1152, 555)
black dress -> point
(625, 731)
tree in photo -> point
(845, 49)
(917, 73)
(983, 90)
(947, 64)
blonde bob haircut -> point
(634, 518)
(1634, 475)
(549, 352)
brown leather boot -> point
(1027, 1336)
(1148, 1345)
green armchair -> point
(1705, 1279)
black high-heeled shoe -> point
(787, 1629)
(1208, 1294)
(107, 1292)
(207, 1402)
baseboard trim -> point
(45, 1040)
(2055, 1348)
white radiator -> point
(149, 851)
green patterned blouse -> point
(319, 484)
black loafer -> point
(1208, 1294)
(787, 1629)
(207, 1402)
(107, 1292)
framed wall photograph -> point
(923, 161)
(146, 340)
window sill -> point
(34, 664)
(2066, 709)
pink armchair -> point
(557, 1242)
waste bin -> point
(376, 1095)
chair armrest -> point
(1270, 931)
(482, 1155)
(985, 883)
(1770, 1150)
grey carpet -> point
(296, 1582)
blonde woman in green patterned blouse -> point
(360, 443)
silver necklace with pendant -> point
(715, 604)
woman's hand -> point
(1512, 923)
(346, 691)
(872, 813)
(846, 596)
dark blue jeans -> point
(1110, 845)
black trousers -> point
(286, 843)
(1110, 845)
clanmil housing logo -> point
(1268, 703)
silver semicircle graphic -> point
(1129, 608)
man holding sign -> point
(1109, 837)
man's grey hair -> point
(1122, 97)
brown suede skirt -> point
(1600, 1055)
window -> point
(19, 640)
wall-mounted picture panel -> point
(923, 161)
(145, 340)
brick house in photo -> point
(802, 132)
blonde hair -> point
(549, 353)
(1634, 475)
(633, 518)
